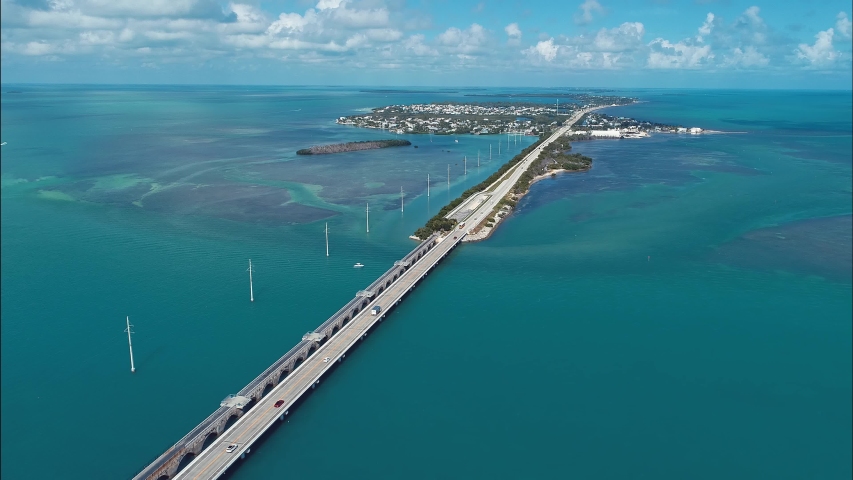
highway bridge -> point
(242, 418)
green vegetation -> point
(554, 156)
(440, 224)
(352, 146)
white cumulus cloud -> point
(512, 30)
(821, 53)
(587, 8)
(545, 50)
(842, 26)
(665, 54)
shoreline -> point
(483, 232)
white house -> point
(605, 134)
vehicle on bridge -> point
(375, 310)
(279, 403)
(231, 448)
(326, 360)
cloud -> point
(748, 57)
(469, 41)
(842, 26)
(821, 53)
(627, 36)
(586, 10)
(545, 50)
(513, 31)
(706, 27)
(665, 54)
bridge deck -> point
(213, 461)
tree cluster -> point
(439, 223)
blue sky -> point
(588, 43)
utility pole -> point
(427, 184)
(465, 163)
(448, 177)
(130, 345)
(251, 289)
(368, 217)
(401, 199)
(327, 239)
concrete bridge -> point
(233, 407)
(242, 418)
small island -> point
(352, 146)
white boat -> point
(357, 265)
(4, 143)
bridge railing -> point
(266, 373)
(352, 303)
(164, 457)
(373, 286)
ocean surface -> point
(682, 310)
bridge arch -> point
(163, 477)
(185, 460)
(267, 388)
(283, 375)
(208, 440)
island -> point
(352, 146)
(476, 118)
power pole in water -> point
(465, 162)
(401, 199)
(327, 239)
(130, 345)
(368, 217)
(251, 289)
(448, 176)
(427, 184)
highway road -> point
(215, 460)
(505, 183)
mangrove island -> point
(352, 146)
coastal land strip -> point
(352, 146)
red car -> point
(279, 403)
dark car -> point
(279, 403)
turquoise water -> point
(683, 310)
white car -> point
(231, 448)
(326, 360)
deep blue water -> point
(682, 310)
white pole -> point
(251, 288)
(368, 218)
(401, 199)
(327, 239)
(465, 162)
(499, 145)
(448, 176)
(130, 345)
(427, 184)
(478, 159)
(490, 151)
